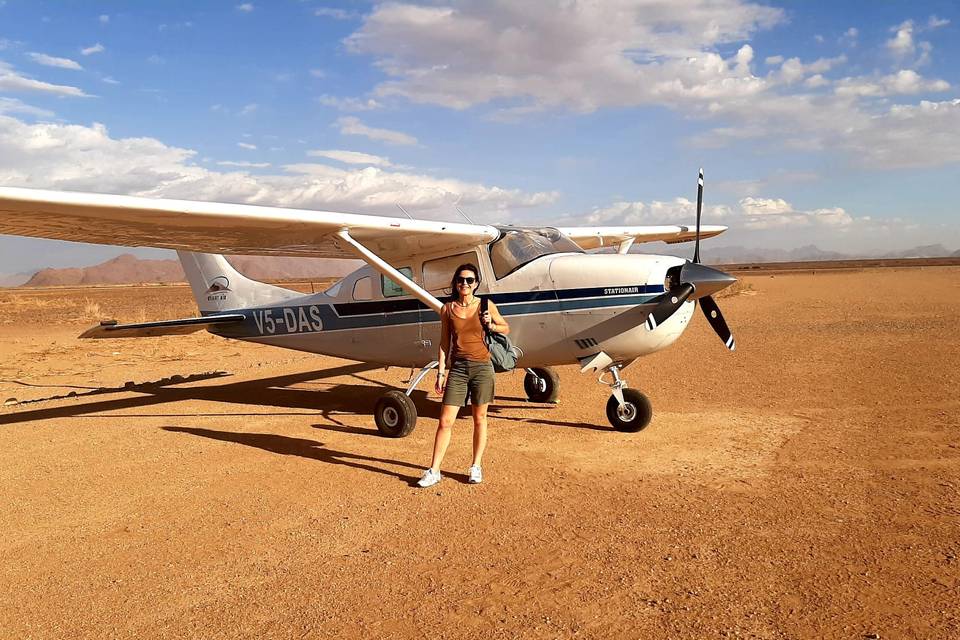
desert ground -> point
(805, 486)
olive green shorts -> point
(469, 376)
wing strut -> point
(384, 268)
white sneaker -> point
(476, 475)
(430, 478)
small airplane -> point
(601, 311)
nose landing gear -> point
(628, 410)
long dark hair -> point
(468, 266)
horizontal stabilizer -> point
(110, 328)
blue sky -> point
(836, 124)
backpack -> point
(503, 356)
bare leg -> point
(448, 414)
(479, 432)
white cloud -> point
(677, 211)
(12, 105)
(772, 60)
(352, 126)
(246, 7)
(935, 23)
(243, 165)
(582, 56)
(104, 19)
(793, 70)
(51, 61)
(903, 47)
(351, 157)
(909, 136)
(79, 158)
(109, 80)
(89, 51)
(336, 14)
(247, 146)
(901, 44)
(769, 213)
(318, 73)
(248, 109)
(10, 80)
(349, 104)
(903, 82)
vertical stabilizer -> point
(217, 286)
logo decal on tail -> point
(218, 289)
(220, 283)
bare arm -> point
(497, 323)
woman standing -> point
(464, 368)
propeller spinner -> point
(699, 281)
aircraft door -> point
(402, 322)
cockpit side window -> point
(518, 247)
(390, 288)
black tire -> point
(542, 387)
(635, 414)
(395, 414)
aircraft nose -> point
(707, 280)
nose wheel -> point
(628, 410)
(633, 415)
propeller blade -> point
(696, 249)
(715, 318)
(667, 304)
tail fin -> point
(217, 286)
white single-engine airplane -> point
(564, 305)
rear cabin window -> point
(390, 288)
(363, 289)
(438, 273)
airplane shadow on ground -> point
(301, 447)
(277, 391)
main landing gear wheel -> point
(541, 385)
(633, 415)
(395, 414)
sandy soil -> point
(807, 486)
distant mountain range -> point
(127, 269)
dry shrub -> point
(91, 310)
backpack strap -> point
(483, 309)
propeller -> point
(688, 279)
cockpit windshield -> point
(517, 247)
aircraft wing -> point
(595, 237)
(210, 227)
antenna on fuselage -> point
(400, 206)
(465, 216)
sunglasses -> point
(465, 280)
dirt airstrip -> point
(806, 486)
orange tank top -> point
(466, 335)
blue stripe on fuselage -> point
(298, 319)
